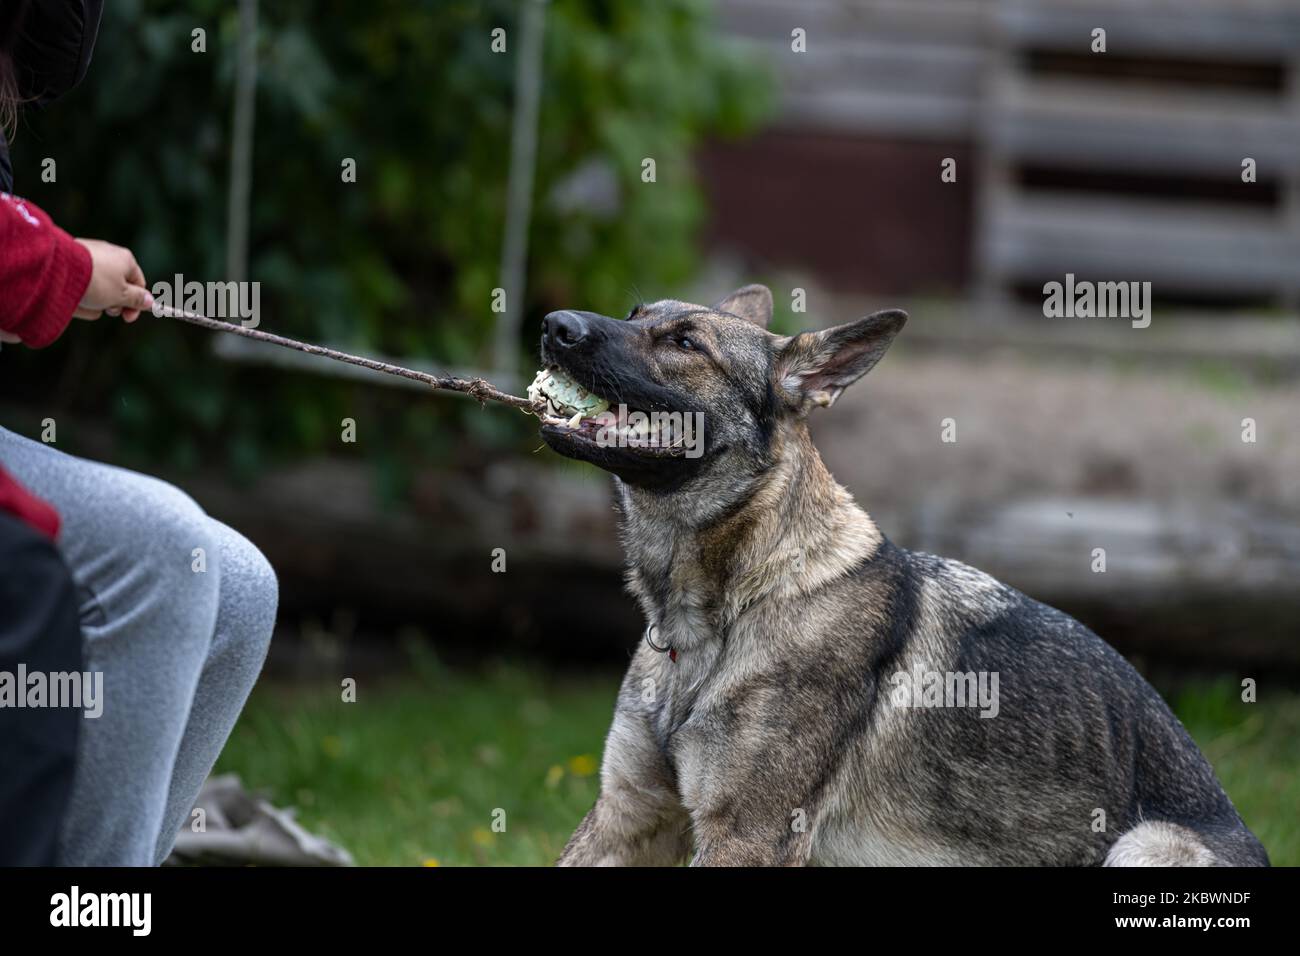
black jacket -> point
(50, 47)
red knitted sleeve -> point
(44, 273)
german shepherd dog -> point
(804, 691)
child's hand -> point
(117, 286)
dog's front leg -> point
(638, 819)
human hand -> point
(117, 285)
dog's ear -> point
(813, 368)
(753, 303)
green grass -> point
(1255, 750)
(413, 771)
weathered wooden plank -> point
(1183, 246)
(1126, 126)
(880, 114)
(1244, 30)
(1183, 583)
(864, 64)
(878, 86)
(951, 20)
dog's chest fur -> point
(782, 687)
(683, 600)
(693, 704)
(685, 617)
(717, 710)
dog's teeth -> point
(573, 422)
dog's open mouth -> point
(579, 413)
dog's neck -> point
(786, 532)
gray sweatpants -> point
(179, 635)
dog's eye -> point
(685, 343)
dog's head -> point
(677, 393)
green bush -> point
(404, 260)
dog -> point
(804, 691)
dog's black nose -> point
(564, 329)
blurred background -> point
(797, 144)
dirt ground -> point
(1063, 427)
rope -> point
(476, 388)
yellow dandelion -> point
(583, 765)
